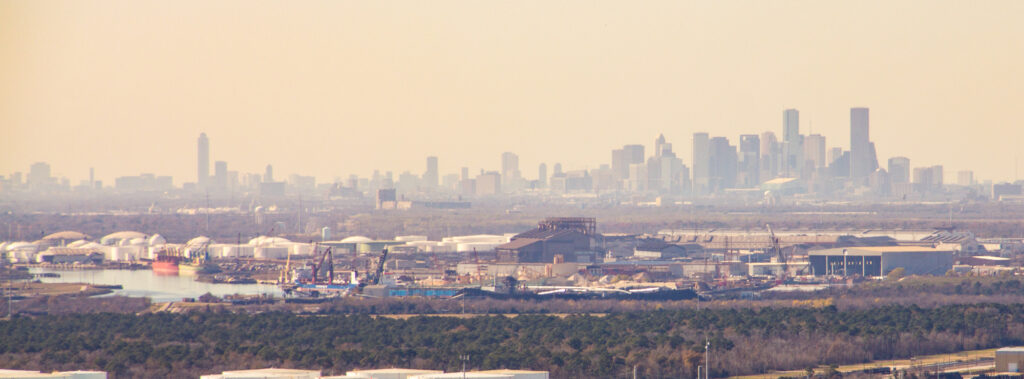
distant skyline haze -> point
(331, 89)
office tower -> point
(792, 149)
(464, 174)
(268, 175)
(625, 157)
(430, 177)
(701, 163)
(814, 150)
(509, 164)
(203, 172)
(928, 179)
(39, 175)
(220, 174)
(965, 178)
(510, 171)
(557, 169)
(722, 162)
(749, 161)
(92, 177)
(661, 147)
(835, 153)
(542, 175)
(637, 178)
(771, 156)
(899, 170)
(862, 161)
(938, 181)
(488, 183)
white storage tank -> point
(302, 249)
(457, 375)
(467, 247)
(271, 253)
(389, 373)
(410, 238)
(520, 374)
(116, 254)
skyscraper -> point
(220, 174)
(814, 150)
(750, 161)
(542, 175)
(510, 170)
(899, 170)
(701, 163)
(203, 172)
(431, 175)
(792, 145)
(862, 161)
(661, 147)
(722, 162)
(771, 156)
(623, 158)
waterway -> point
(159, 288)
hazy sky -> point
(331, 88)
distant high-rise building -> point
(488, 183)
(899, 170)
(965, 178)
(430, 177)
(542, 175)
(464, 173)
(625, 157)
(749, 161)
(557, 170)
(203, 171)
(862, 160)
(814, 150)
(661, 147)
(771, 156)
(834, 154)
(510, 171)
(268, 175)
(928, 179)
(92, 177)
(792, 144)
(722, 163)
(220, 175)
(701, 163)
(386, 198)
(39, 176)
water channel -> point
(159, 288)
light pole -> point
(464, 358)
(707, 358)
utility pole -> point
(464, 358)
(707, 358)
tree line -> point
(661, 344)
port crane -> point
(373, 278)
(777, 250)
(327, 258)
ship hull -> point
(196, 269)
(165, 268)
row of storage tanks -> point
(131, 246)
(458, 244)
(148, 248)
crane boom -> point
(776, 249)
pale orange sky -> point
(331, 88)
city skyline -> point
(718, 163)
(301, 89)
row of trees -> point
(661, 343)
